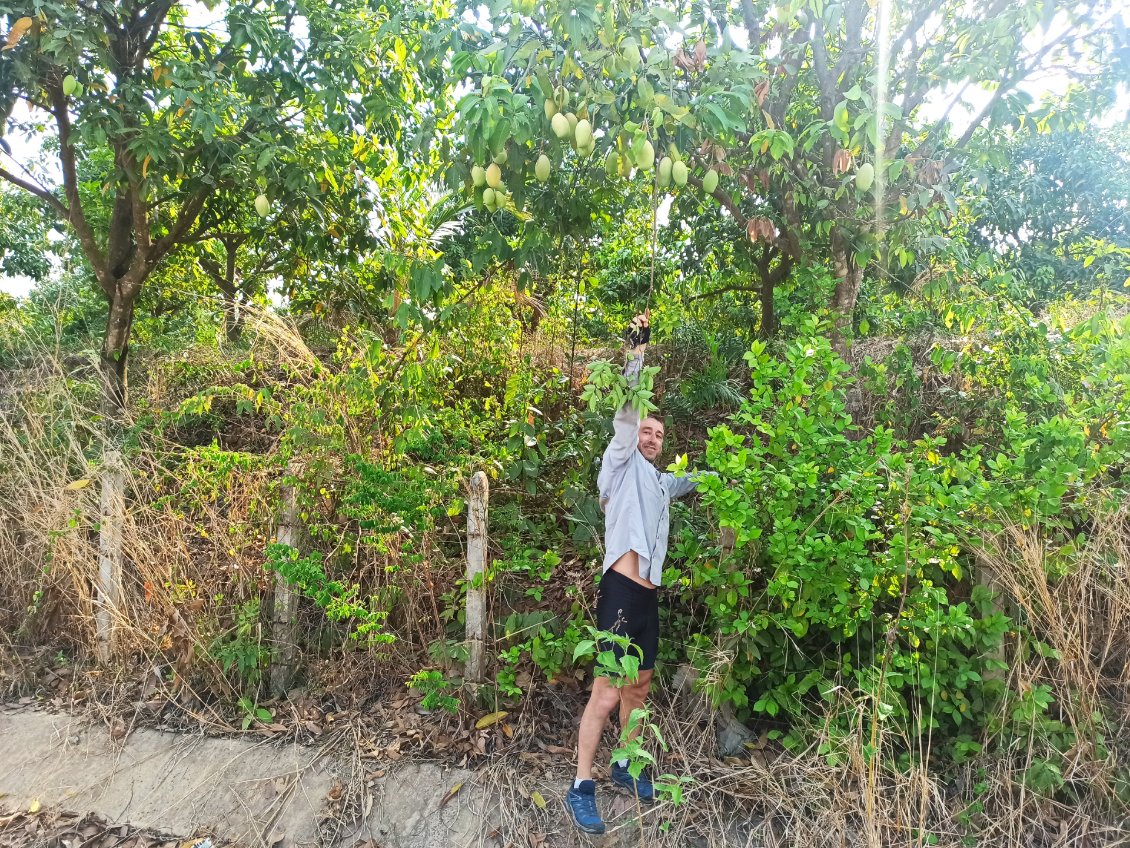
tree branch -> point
(752, 30)
(723, 198)
(187, 216)
(779, 105)
(153, 21)
(38, 190)
(76, 216)
(827, 82)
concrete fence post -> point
(476, 565)
(107, 591)
(284, 607)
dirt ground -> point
(67, 781)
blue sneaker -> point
(581, 803)
(641, 788)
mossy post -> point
(111, 520)
(284, 636)
(476, 566)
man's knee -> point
(605, 697)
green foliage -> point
(540, 641)
(843, 540)
(1048, 203)
(340, 602)
(426, 337)
(296, 114)
(252, 712)
(635, 739)
(608, 389)
(819, 149)
(622, 670)
(436, 689)
(241, 649)
(25, 250)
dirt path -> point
(255, 793)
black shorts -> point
(626, 608)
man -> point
(635, 497)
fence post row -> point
(476, 565)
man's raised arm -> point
(626, 422)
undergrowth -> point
(926, 607)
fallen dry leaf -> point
(450, 794)
(489, 719)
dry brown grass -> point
(190, 560)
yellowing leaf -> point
(451, 793)
(76, 485)
(33, 807)
(538, 800)
(19, 28)
(145, 166)
(489, 719)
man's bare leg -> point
(633, 696)
(602, 702)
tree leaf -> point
(75, 485)
(18, 30)
(538, 800)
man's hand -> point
(639, 331)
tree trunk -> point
(768, 327)
(848, 278)
(234, 316)
(771, 276)
(115, 353)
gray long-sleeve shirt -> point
(636, 496)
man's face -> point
(651, 439)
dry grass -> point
(187, 570)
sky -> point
(1054, 82)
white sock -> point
(622, 763)
(577, 783)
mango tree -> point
(24, 246)
(194, 104)
(805, 121)
(1049, 204)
